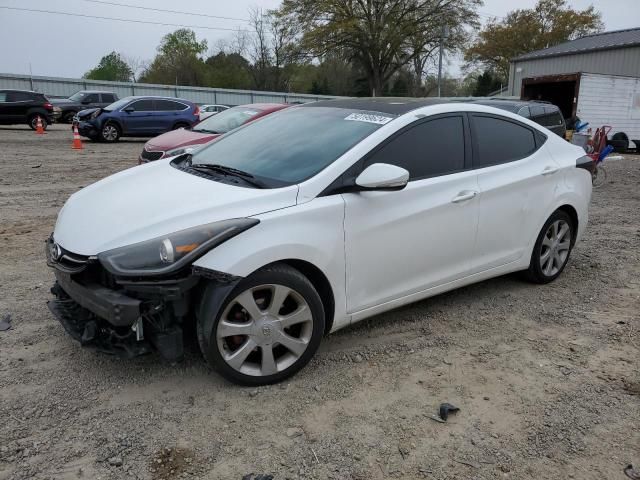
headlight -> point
(95, 114)
(179, 151)
(169, 253)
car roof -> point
(154, 97)
(18, 90)
(392, 105)
(514, 105)
(265, 106)
(95, 91)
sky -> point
(65, 46)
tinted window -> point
(19, 97)
(169, 106)
(552, 117)
(91, 98)
(226, 121)
(142, 106)
(292, 145)
(500, 141)
(524, 112)
(536, 111)
(108, 98)
(429, 149)
(3, 96)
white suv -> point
(309, 220)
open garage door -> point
(561, 90)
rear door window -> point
(169, 106)
(429, 149)
(108, 98)
(499, 141)
(91, 98)
(19, 97)
(142, 106)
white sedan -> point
(308, 221)
(207, 111)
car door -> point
(517, 179)
(167, 114)
(402, 242)
(5, 112)
(17, 106)
(139, 120)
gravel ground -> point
(546, 377)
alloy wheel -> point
(109, 133)
(264, 330)
(555, 247)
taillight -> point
(48, 106)
(197, 110)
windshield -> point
(293, 144)
(226, 121)
(118, 104)
(78, 96)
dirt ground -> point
(546, 377)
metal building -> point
(595, 78)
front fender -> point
(312, 232)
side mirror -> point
(382, 176)
(129, 109)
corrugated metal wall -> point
(609, 100)
(64, 87)
(621, 61)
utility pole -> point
(443, 35)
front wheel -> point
(552, 248)
(110, 133)
(267, 328)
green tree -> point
(228, 70)
(179, 60)
(549, 23)
(111, 67)
(380, 36)
(486, 83)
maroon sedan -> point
(176, 141)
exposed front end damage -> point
(123, 316)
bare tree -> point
(137, 65)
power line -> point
(166, 11)
(122, 19)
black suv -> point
(24, 106)
(543, 113)
(81, 101)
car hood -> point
(86, 112)
(178, 138)
(155, 199)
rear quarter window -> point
(497, 141)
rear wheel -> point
(267, 328)
(33, 121)
(552, 248)
(110, 132)
(180, 125)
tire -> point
(180, 125)
(252, 346)
(67, 117)
(543, 267)
(620, 142)
(33, 120)
(599, 176)
(110, 132)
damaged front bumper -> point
(124, 317)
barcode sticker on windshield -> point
(367, 117)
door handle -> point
(549, 170)
(464, 196)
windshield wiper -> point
(246, 176)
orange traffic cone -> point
(40, 127)
(77, 143)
